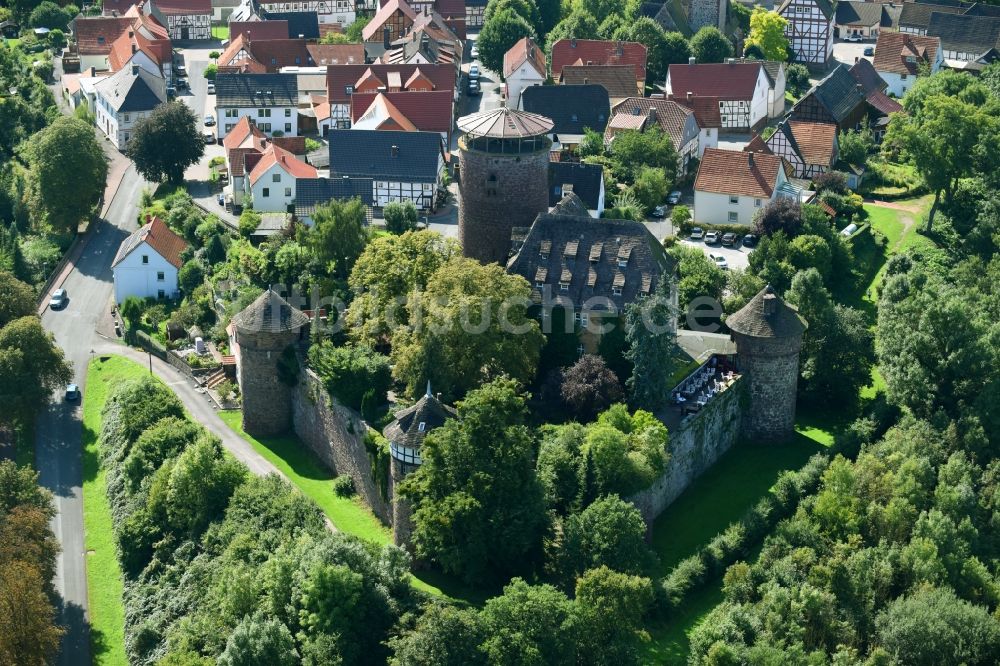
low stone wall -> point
(336, 434)
(694, 447)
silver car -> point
(58, 299)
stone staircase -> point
(215, 378)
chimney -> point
(386, 42)
(689, 95)
(651, 115)
(770, 301)
(692, 60)
(856, 59)
(131, 34)
(586, 80)
(135, 70)
(394, 151)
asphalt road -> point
(59, 427)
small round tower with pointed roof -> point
(504, 167)
(263, 331)
(406, 434)
(768, 336)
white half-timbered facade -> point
(809, 30)
(327, 11)
(810, 148)
(184, 19)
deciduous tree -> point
(611, 606)
(504, 29)
(650, 327)
(338, 236)
(530, 624)
(400, 217)
(31, 367)
(589, 387)
(16, 299)
(767, 34)
(610, 532)
(710, 45)
(578, 24)
(166, 142)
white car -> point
(719, 261)
(711, 237)
(853, 38)
(58, 299)
(474, 73)
(211, 88)
(474, 53)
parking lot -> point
(849, 52)
(736, 257)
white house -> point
(327, 11)
(733, 185)
(740, 90)
(123, 98)
(523, 66)
(270, 184)
(808, 148)
(147, 263)
(184, 19)
(809, 30)
(900, 58)
(270, 100)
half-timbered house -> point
(342, 81)
(809, 30)
(740, 87)
(391, 22)
(839, 99)
(810, 148)
(184, 19)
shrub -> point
(343, 486)
(348, 372)
(400, 217)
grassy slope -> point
(104, 577)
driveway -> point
(848, 53)
(737, 257)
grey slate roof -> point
(971, 34)
(270, 313)
(754, 320)
(311, 192)
(406, 430)
(852, 12)
(129, 93)
(300, 24)
(864, 73)
(370, 154)
(571, 108)
(584, 253)
(918, 14)
(838, 93)
(256, 90)
(586, 180)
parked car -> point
(852, 38)
(711, 237)
(72, 393)
(697, 233)
(660, 211)
(729, 239)
(209, 120)
(474, 89)
(674, 197)
(209, 136)
(474, 53)
(181, 83)
(869, 50)
(474, 73)
(58, 299)
(211, 88)
(180, 70)
(171, 92)
(750, 240)
(221, 199)
(719, 261)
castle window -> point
(617, 291)
(421, 426)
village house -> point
(586, 181)
(600, 52)
(257, 29)
(616, 79)
(774, 72)
(425, 45)
(343, 81)
(270, 182)
(523, 66)
(592, 267)
(809, 31)
(572, 110)
(732, 186)
(866, 20)
(422, 111)
(915, 17)
(403, 166)
(93, 37)
(810, 148)
(900, 58)
(847, 101)
(474, 11)
(968, 42)
(184, 19)
(147, 262)
(259, 56)
(313, 192)
(144, 43)
(706, 114)
(740, 87)
(391, 22)
(271, 100)
(323, 12)
(675, 120)
(325, 55)
(244, 139)
(123, 98)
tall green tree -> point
(526, 9)
(68, 170)
(650, 324)
(611, 606)
(504, 29)
(477, 506)
(767, 34)
(710, 45)
(16, 299)
(31, 367)
(610, 532)
(166, 142)
(659, 50)
(601, 9)
(578, 24)
(530, 624)
(400, 217)
(445, 636)
(339, 236)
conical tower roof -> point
(411, 425)
(767, 316)
(505, 123)
(270, 313)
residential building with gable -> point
(343, 81)
(572, 109)
(123, 98)
(901, 58)
(810, 148)
(586, 181)
(270, 100)
(183, 19)
(968, 42)
(741, 89)
(809, 30)
(732, 186)
(271, 178)
(523, 66)
(675, 120)
(147, 263)
(600, 52)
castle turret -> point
(768, 336)
(504, 167)
(406, 434)
(263, 331)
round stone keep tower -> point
(406, 434)
(768, 336)
(263, 331)
(504, 178)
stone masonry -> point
(772, 366)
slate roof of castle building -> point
(586, 255)
(411, 425)
(256, 90)
(270, 313)
(586, 180)
(767, 316)
(312, 192)
(571, 108)
(300, 24)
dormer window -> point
(622, 263)
(422, 426)
(564, 286)
(617, 291)
(348, 90)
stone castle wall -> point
(694, 447)
(336, 434)
(485, 220)
(402, 526)
(772, 366)
(266, 399)
(702, 13)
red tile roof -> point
(277, 53)
(428, 111)
(598, 52)
(893, 48)
(706, 109)
(243, 130)
(816, 141)
(293, 166)
(374, 27)
(525, 50)
(883, 103)
(158, 236)
(737, 172)
(722, 80)
(183, 7)
(336, 54)
(134, 40)
(117, 7)
(339, 77)
(259, 29)
(616, 79)
(228, 56)
(95, 34)
(391, 117)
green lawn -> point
(349, 515)
(220, 32)
(900, 230)
(104, 576)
